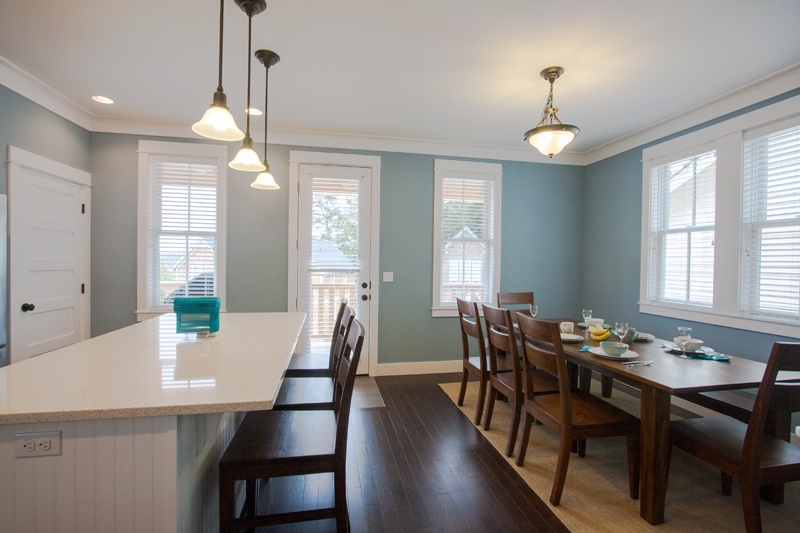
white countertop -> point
(149, 370)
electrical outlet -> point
(37, 444)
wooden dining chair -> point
(477, 365)
(571, 414)
(311, 392)
(745, 451)
(516, 301)
(271, 444)
(503, 350)
(305, 364)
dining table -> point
(669, 374)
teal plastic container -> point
(196, 315)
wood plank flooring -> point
(418, 464)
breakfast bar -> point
(144, 414)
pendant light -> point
(217, 122)
(550, 136)
(266, 180)
(247, 158)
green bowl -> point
(614, 347)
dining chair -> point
(746, 451)
(304, 364)
(503, 350)
(312, 392)
(571, 414)
(516, 301)
(477, 365)
(271, 444)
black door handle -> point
(28, 307)
(364, 297)
(364, 285)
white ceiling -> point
(464, 72)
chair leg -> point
(564, 451)
(463, 390)
(726, 483)
(226, 503)
(340, 495)
(606, 386)
(522, 449)
(581, 447)
(490, 409)
(514, 429)
(481, 401)
(751, 506)
(634, 462)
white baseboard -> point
(406, 369)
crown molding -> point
(40, 93)
(770, 86)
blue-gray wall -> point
(570, 234)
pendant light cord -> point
(266, 107)
(221, 27)
(249, 49)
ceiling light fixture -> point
(550, 136)
(265, 180)
(217, 122)
(247, 158)
(102, 99)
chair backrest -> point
(344, 382)
(340, 337)
(543, 352)
(772, 396)
(471, 328)
(337, 333)
(515, 300)
(500, 333)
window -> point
(181, 224)
(721, 223)
(466, 244)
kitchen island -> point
(144, 414)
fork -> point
(637, 363)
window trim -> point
(445, 168)
(727, 139)
(160, 148)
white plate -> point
(644, 337)
(674, 349)
(585, 325)
(571, 337)
(627, 356)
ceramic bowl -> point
(614, 347)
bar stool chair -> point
(316, 364)
(310, 393)
(271, 444)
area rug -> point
(596, 497)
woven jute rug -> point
(596, 497)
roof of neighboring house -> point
(325, 253)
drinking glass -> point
(587, 314)
(534, 310)
(684, 334)
(621, 329)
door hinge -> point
(83, 209)
(83, 288)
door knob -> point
(364, 297)
(28, 307)
(364, 285)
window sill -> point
(443, 312)
(709, 316)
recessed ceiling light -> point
(255, 112)
(102, 99)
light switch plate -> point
(388, 277)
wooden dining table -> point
(668, 375)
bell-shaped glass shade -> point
(217, 122)
(247, 158)
(265, 181)
(551, 139)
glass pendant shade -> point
(247, 158)
(265, 181)
(550, 140)
(218, 123)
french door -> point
(334, 252)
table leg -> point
(655, 405)
(607, 384)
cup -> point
(692, 345)
(630, 336)
(567, 327)
(592, 321)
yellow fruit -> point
(601, 336)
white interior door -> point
(48, 255)
(334, 252)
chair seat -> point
(305, 393)
(588, 412)
(542, 384)
(722, 438)
(308, 365)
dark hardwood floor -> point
(418, 464)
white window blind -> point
(682, 213)
(467, 245)
(771, 225)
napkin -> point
(714, 357)
(586, 348)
